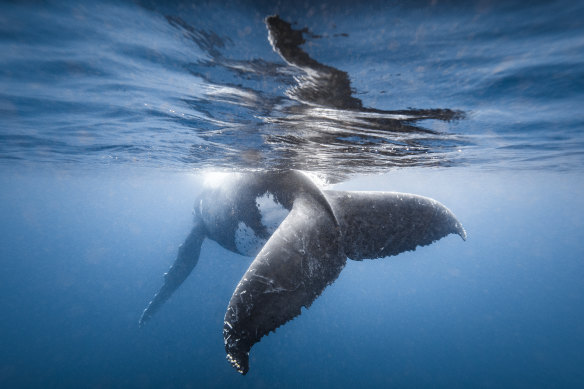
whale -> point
(300, 236)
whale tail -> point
(186, 260)
(382, 224)
(309, 249)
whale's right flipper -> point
(380, 224)
(187, 258)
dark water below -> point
(110, 112)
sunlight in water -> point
(216, 179)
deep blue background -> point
(82, 256)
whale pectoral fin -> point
(187, 258)
(301, 258)
(380, 224)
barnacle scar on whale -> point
(301, 237)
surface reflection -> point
(317, 124)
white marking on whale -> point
(246, 240)
(272, 212)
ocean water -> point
(111, 114)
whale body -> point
(301, 237)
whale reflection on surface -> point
(317, 123)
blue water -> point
(110, 114)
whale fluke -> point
(309, 250)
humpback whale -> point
(301, 237)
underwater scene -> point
(280, 194)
